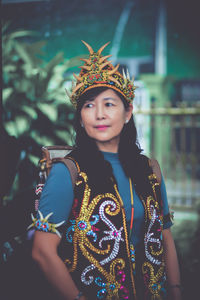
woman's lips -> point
(101, 127)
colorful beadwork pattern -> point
(132, 252)
(154, 268)
(97, 250)
(42, 224)
(101, 248)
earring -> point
(82, 125)
(126, 121)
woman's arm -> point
(172, 267)
(44, 252)
(171, 261)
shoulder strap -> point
(156, 169)
(53, 154)
(71, 167)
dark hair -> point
(92, 160)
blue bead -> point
(112, 286)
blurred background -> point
(158, 41)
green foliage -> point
(35, 106)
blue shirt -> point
(58, 195)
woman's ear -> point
(129, 112)
(81, 122)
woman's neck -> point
(108, 149)
(108, 146)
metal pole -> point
(161, 41)
(120, 30)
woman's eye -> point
(109, 104)
(88, 105)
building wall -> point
(63, 24)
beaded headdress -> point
(97, 71)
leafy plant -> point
(35, 113)
(34, 101)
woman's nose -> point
(100, 112)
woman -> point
(114, 224)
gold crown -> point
(97, 71)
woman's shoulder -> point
(58, 171)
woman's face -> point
(103, 119)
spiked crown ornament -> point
(97, 71)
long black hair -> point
(99, 171)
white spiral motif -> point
(112, 234)
(149, 239)
(84, 273)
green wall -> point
(63, 24)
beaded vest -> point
(95, 245)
